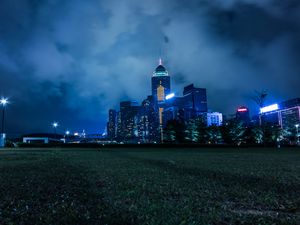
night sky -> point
(71, 60)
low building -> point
(43, 138)
(214, 119)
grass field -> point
(150, 186)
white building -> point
(214, 119)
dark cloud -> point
(73, 60)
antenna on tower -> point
(162, 48)
(160, 56)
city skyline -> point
(56, 66)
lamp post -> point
(55, 125)
(67, 133)
(297, 134)
(3, 102)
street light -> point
(67, 133)
(55, 125)
(3, 102)
(297, 128)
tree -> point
(278, 134)
(233, 132)
(257, 135)
(213, 134)
(169, 132)
(260, 98)
(174, 131)
(269, 134)
(192, 131)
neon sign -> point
(269, 108)
(242, 109)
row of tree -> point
(232, 132)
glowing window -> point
(160, 114)
(160, 93)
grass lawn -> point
(150, 186)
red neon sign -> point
(242, 110)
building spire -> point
(160, 61)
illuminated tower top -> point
(160, 70)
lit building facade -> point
(286, 114)
(214, 119)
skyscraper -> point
(193, 104)
(242, 115)
(148, 121)
(112, 124)
(195, 99)
(128, 113)
(161, 87)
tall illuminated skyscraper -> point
(161, 87)
(161, 84)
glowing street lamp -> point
(67, 133)
(55, 125)
(3, 102)
(297, 133)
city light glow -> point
(4, 101)
(55, 124)
(169, 96)
(269, 108)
